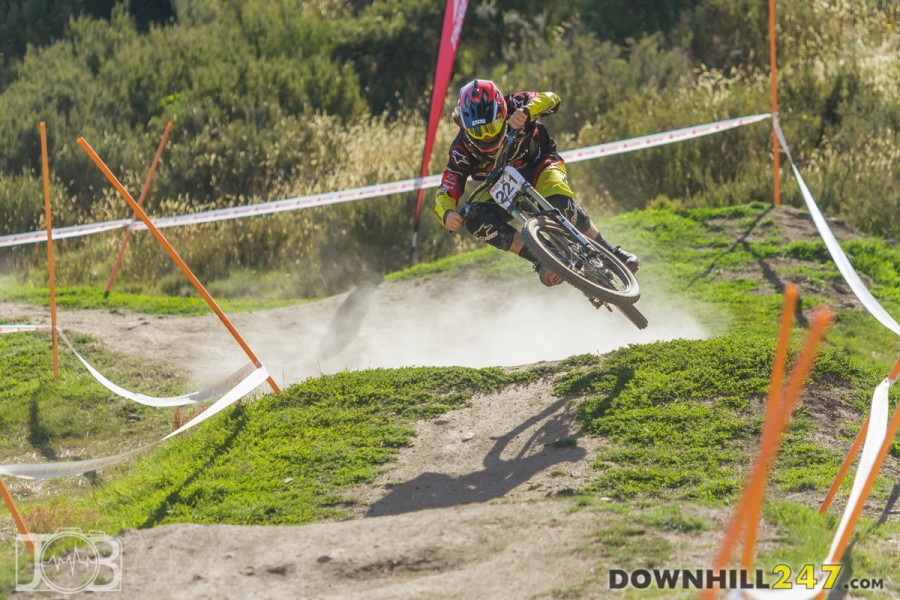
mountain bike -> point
(556, 243)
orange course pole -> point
(173, 254)
(739, 520)
(773, 66)
(20, 522)
(895, 372)
(839, 478)
(144, 190)
(46, 172)
(773, 407)
(750, 506)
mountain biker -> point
(483, 113)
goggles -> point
(486, 131)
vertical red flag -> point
(454, 14)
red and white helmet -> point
(482, 111)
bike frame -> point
(527, 203)
(526, 195)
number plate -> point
(506, 188)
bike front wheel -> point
(594, 271)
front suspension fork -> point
(554, 213)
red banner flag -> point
(454, 14)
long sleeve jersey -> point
(535, 152)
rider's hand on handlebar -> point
(452, 220)
(518, 119)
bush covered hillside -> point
(288, 97)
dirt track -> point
(470, 551)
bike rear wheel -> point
(598, 274)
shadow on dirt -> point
(766, 271)
(551, 443)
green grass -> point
(671, 518)
(682, 418)
(643, 535)
(684, 254)
(92, 298)
(60, 417)
(805, 537)
(489, 261)
(637, 535)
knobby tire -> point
(611, 282)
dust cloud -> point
(466, 321)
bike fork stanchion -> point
(557, 216)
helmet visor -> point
(486, 132)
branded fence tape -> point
(834, 248)
(70, 469)
(192, 398)
(62, 233)
(659, 139)
(372, 191)
(875, 437)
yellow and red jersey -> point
(535, 151)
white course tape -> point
(192, 398)
(372, 191)
(61, 233)
(659, 139)
(875, 437)
(20, 328)
(66, 469)
(834, 248)
(250, 383)
(70, 469)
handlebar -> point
(494, 174)
(503, 156)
